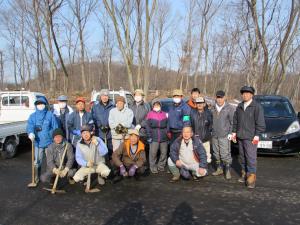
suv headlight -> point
(293, 128)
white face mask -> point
(40, 107)
(156, 109)
(138, 98)
(177, 100)
(62, 105)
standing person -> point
(140, 110)
(100, 114)
(54, 156)
(222, 128)
(130, 157)
(157, 123)
(77, 119)
(187, 155)
(62, 111)
(195, 93)
(120, 120)
(178, 116)
(201, 120)
(40, 127)
(248, 124)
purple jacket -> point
(156, 127)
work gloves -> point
(56, 171)
(132, 170)
(123, 171)
(31, 136)
(76, 132)
(64, 172)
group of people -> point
(114, 140)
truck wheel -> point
(9, 149)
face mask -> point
(177, 100)
(62, 105)
(40, 107)
(138, 98)
(156, 109)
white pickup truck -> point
(15, 109)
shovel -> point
(88, 185)
(32, 184)
(54, 190)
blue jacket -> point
(44, 120)
(74, 125)
(178, 116)
(100, 113)
(199, 151)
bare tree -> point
(121, 22)
(82, 11)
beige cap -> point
(133, 131)
(177, 92)
(139, 91)
(200, 100)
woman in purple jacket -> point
(156, 127)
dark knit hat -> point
(57, 131)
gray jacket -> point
(54, 154)
(222, 121)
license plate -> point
(265, 144)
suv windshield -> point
(276, 108)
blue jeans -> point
(248, 156)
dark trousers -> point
(174, 136)
(248, 156)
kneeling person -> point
(54, 155)
(90, 155)
(130, 157)
(187, 155)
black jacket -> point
(202, 124)
(249, 123)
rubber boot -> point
(219, 170)
(227, 171)
(251, 180)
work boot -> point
(227, 172)
(251, 180)
(242, 179)
(219, 170)
(175, 178)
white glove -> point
(229, 137)
(138, 127)
(31, 136)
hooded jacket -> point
(46, 123)
(157, 123)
